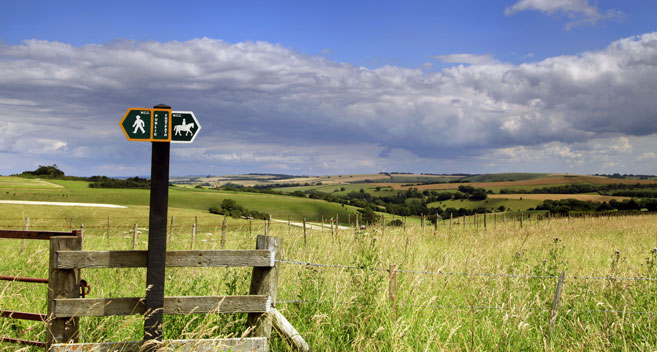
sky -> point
(333, 87)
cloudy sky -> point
(334, 87)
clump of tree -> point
(573, 205)
(621, 189)
(108, 182)
(229, 207)
(51, 171)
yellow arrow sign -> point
(147, 125)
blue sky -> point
(333, 87)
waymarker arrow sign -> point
(136, 124)
(184, 127)
(159, 125)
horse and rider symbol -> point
(177, 130)
(185, 127)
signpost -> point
(160, 125)
(156, 125)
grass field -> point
(278, 206)
(490, 204)
(516, 176)
(461, 288)
(542, 197)
(497, 297)
(9, 182)
(537, 182)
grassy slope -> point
(513, 176)
(492, 204)
(185, 198)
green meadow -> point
(199, 199)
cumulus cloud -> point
(257, 93)
(578, 11)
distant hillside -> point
(512, 176)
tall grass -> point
(347, 307)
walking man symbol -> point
(138, 125)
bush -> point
(229, 207)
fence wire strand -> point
(463, 307)
(422, 272)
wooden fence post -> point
(224, 225)
(423, 225)
(383, 224)
(171, 228)
(264, 281)
(331, 223)
(62, 283)
(27, 227)
(555, 303)
(134, 238)
(304, 231)
(191, 244)
(392, 289)
(484, 220)
(521, 219)
(451, 215)
(108, 231)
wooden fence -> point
(65, 304)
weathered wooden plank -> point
(76, 307)
(101, 259)
(221, 258)
(136, 259)
(252, 344)
(288, 331)
(217, 304)
(36, 235)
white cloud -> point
(472, 59)
(647, 156)
(579, 12)
(263, 104)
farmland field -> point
(474, 285)
(541, 197)
(471, 288)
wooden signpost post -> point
(161, 126)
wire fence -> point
(422, 272)
(479, 307)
